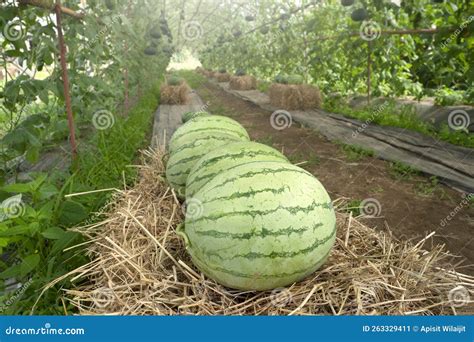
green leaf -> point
(47, 190)
(54, 233)
(72, 212)
(32, 154)
(29, 263)
(17, 188)
(64, 242)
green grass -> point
(403, 117)
(430, 188)
(354, 153)
(267, 140)
(193, 79)
(103, 162)
(402, 171)
(353, 206)
(263, 86)
(309, 159)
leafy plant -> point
(400, 170)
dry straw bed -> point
(293, 96)
(222, 77)
(174, 94)
(139, 267)
(245, 82)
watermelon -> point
(191, 115)
(225, 158)
(263, 225)
(202, 124)
(192, 148)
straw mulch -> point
(245, 82)
(175, 95)
(140, 267)
(222, 77)
(295, 96)
(209, 73)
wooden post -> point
(369, 64)
(67, 95)
(48, 5)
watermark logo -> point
(370, 207)
(281, 119)
(464, 203)
(367, 122)
(192, 30)
(16, 295)
(458, 31)
(459, 296)
(14, 31)
(369, 30)
(103, 297)
(103, 119)
(459, 120)
(281, 297)
(12, 207)
(193, 208)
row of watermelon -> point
(254, 221)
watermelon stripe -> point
(274, 254)
(263, 171)
(193, 144)
(262, 233)
(250, 153)
(206, 129)
(183, 161)
(234, 156)
(248, 194)
(254, 213)
(253, 276)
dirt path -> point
(410, 204)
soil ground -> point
(411, 205)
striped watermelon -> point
(192, 148)
(260, 226)
(225, 158)
(191, 115)
(202, 125)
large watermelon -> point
(192, 148)
(212, 123)
(191, 115)
(262, 225)
(225, 158)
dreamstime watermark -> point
(204, 107)
(103, 297)
(459, 120)
(281, 297)
(46, 330)
(192, 30)
(458, 31)
(464, 203)
(18, 293)
(370, 207)
(12, 207)
(192, 208)
(367, 122)
(370, 30)
(281, 119)
(14, 31)
(103, 119)
(459, 296)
